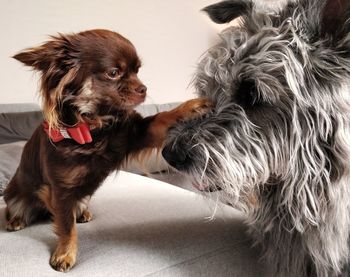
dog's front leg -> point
(64, 212)
(160, 123)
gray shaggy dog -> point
(277, 144)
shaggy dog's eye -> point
(114, 73)
(247, 95)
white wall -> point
(170, 36)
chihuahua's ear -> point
(226, 11)
(46, 55)
(58, 64)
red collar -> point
(80, 133)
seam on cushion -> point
(3, 183)
(219, 250)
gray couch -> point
(18, 121)
(141, 226)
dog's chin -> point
(134, 101)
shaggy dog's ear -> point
(335, 17)
(226, 11)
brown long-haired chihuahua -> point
(89, 86)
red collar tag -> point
(80, 133)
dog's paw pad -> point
(15, 224)
(62, 262)
(86, 216)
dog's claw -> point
(15, 224)
(62, 262)
(86, 216)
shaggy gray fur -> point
(278, 140)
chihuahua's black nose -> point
(141, 89)
(176, 159)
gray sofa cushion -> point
(150, 109)
(10, 156)
(19, 108)
(141, 227)
(18, 126)
(18, 122)
(155, 162)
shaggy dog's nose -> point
(175, 158)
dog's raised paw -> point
(202, 105)
(62, 262)
(196, 107)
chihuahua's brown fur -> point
(86, 77)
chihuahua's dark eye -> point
(114, 73)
